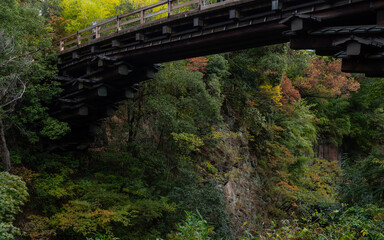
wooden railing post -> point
(118, 24)
(78, 38)
(169, 8)
(61, 45)
(97, 32)
(142, 20)
(276, 5)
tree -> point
(13, 194)
(26, 60)
(289, 93)
(12, 86)
(82, 13)
(324, 79)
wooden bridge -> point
(101, 65)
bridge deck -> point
(224, 26)
(97, 73)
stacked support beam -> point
(97, 73)
(360, 46)
(90, 96)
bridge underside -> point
(104, 71)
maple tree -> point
(197, 64)
(325, 79)
(289, 93)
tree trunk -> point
(4, 152)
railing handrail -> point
(118, 18)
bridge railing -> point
(162, 9)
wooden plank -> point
(184, 4)
(108, 28)
(144, 9)
(154, 5)
(69, 36)
(87, 36)
(129, 21)
(125, 15)
(156, 13)
(98, 25)
(70, 42)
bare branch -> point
(16, 57)
(16, 97)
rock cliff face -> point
(245, 193)
(328, 151)
(242, 187)
(244, 205)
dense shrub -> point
(13, 194)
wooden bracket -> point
(123, 70)
(75, 55)
(83, 111)
(102, 91)
(140, 37)
(129, 94)
(300, 22)
(198, 22)
(380, 18)
(94, 49)
(234, 14)
(277, 5)
(167, 30)
(356, 46)
(116, 43)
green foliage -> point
(347, 224)
(164, 156)
(28, 62)
(367, 116)
(13, 194)
(362, 180)
(82, 217)
(99, 236)
(193, 228)
(334, 121)
(82, 13)
(206, 197)
(8, 231)
(182, 101)
(56, 185)
(38, 227)
(191, 141)
(299, 128)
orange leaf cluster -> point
(58, 24)
(325, 79)
(197, 64)
(289, 93)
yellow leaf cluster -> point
(83, 12)
(274, 93)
